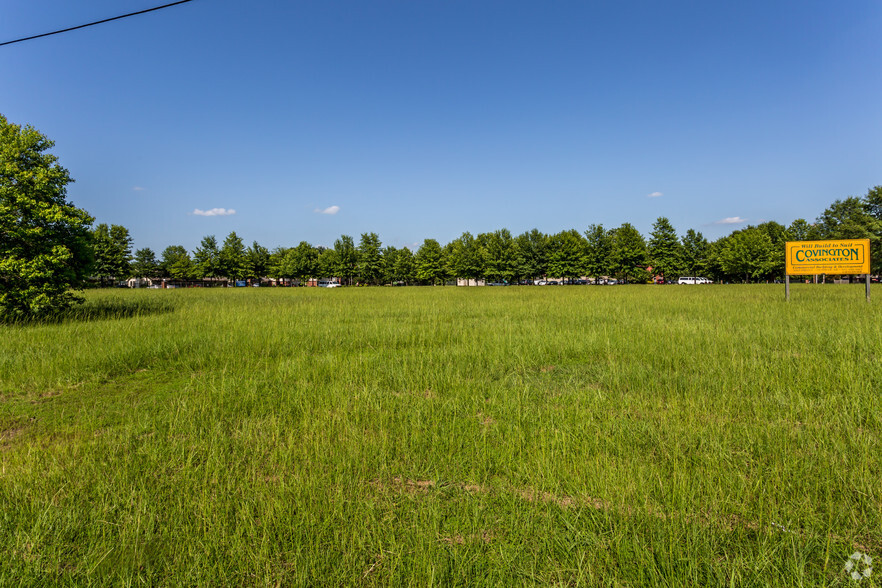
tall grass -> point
(419, 436)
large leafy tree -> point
(113, 252)
(801, 230)
(873, 206)
(598, 251)
(402, 268)
(532, 254)
(856, 218)
(176, 263)
(749, 254)
(429, 262)
(629, 254)
(665, 251)
(778, 236)
(145, 264)
(206, 258)
(45, 251)
(347, 258)
(277, 263)
(696, 253)
(301, 262)
(500, 255)
(873, 202)
(464, 258)
(847, 219)
(328, 263)
(567, 256)
(370, 258)
(232, 258)
(257, 261)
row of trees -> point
(754, 253)
(48, 247)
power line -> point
(95, 23)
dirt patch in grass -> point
(7, 436)
(563, 501)
(428, 393)
(485, 420)
(404, 485)
(411, 486)
(47, 395)
(474, 488)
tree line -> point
(754, 253)
(49, 248)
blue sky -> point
(424, 119)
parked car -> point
(694, 280)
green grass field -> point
(622, 436)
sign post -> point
(804, 258)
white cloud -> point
(329, 210)
(214, 212)
(654, 195)
(139, 189)
(731, 220)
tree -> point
(231, 259)
(464, 258)
(398, 265)
(328, 263)
(112, 248)
(390, 255)
(598, 251)
(873, 206)
(629, 254)
(403, 267)
(145, 264)
(748, 253)
(856, 218)
(778, 237)
(277, 263)
(206, 258)
(801, 230)
(176, 263)
(45, 252)
(429, 262)
(665, 251)
(696, 250)
(532, 254)
(347, 258)
(257, 261)
(566, 255)
(853, 218)
(873, 202)
(301, 262)
(500, 255)
(370, 258)
(848, 219)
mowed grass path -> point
(622, 436)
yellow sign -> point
(805, 258)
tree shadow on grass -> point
(116, 308)
(103, 309)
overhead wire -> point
(97, 22)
